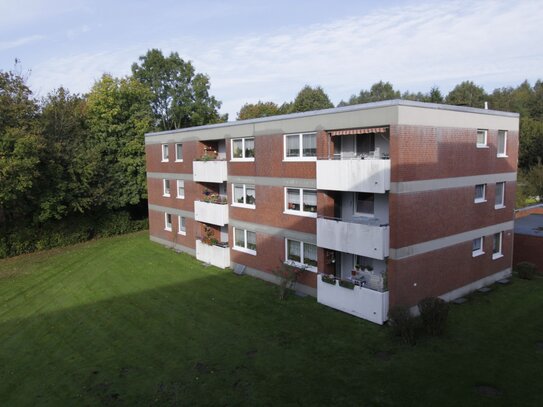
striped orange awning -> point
(348, 132)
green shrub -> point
(328, 279)
(403, 324)
(346, 284)
(526, 270)
(433, 313)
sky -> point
(268, 51)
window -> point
(477, 247)
(301, 146)
(245, 241)
(482, 137)
(497, 246)
(301, 254)
(181, 225)
(165, 152)
(500, 195)
(166, 187)
(180, 189)
(243, 149)
(480, 191)
(502, 143)
(364, 203)
(179, 152)
(301, 202)
(244, 195)
(168, 222)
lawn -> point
(123, 321)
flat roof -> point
(351, 108)
(531, 225)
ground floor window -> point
(245, 241)
(301, 254)
(477, 247)
(182, 228)
(497, 245)
(167, 222)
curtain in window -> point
(293, 250)
(249, 147)
(476, 245)
(309, 145)
(251, 240)
(239, 238)
(250, 195)
(310, 201)
(237, 148)
(293, 145)
(238, 194)
(293, 199)
(310, 254)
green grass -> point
(124, 321)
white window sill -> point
(179, 161)
(482, 145)
(246, 160)
(166, 195)
(502, 156)
(301, 213)
(293, 263)
(182, 233)
(499, 206)
(168, 229)
(180, 197)
(165, 161)
(480, 201)
(497, 256)
(246, 206)
(477, 253)
(244, 250)
(301, 159)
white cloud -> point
(4, 45)
(414, 47)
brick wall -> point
(529, 248)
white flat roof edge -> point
(351, 108)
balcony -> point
(218, 256)
(209, 212)
(353, 299)
(355, 175)
(210, 171)
(356, 238)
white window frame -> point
(499, 253)
(504, 154)
(502, 204)
(181, 231)
(167, 222)
(300, 263)
(178, 183)
(300, 157)
(165, 153)
(242, 158)
(243, 205)
(478, 252)
(177, 159)
(485, 144)
(300, 212)
(480, 200)
(243, 248)
(166, 190)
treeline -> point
(72, 167)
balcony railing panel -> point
(216, 214)
(216, 255)
(355, 175)
(210, 171)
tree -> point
(310, 99)
(119, 114)
(467, 94)
(379, 91)
(180, 95)
(259, 109)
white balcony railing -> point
(210, 171)
(216, 255)
(356, 238)
(216, 214)
(356, 300)
(355, 175)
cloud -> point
(4, 45)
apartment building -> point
(382, 204)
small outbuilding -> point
(528, 245)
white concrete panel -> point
(216, 214)
(215, 255)
(210, 171)
(354, 175)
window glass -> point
(181, 222)
(293, 145)
(480, 192)
(500, 188)
(237, 148)
(251, 240)
(497, 246)
(180, 188)
(310, 254)
(309, 145)
(293, 199)
(477, 245)
(238, 194)
(481, 137)
(293, 250)
(310, 200)
(179, 152)
(166, 187)
(249, 147)
(250, 195)
(168, 222)
(502, 137)
(165, 152)
(364, 203)
(239, 237)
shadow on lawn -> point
(216, 340)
